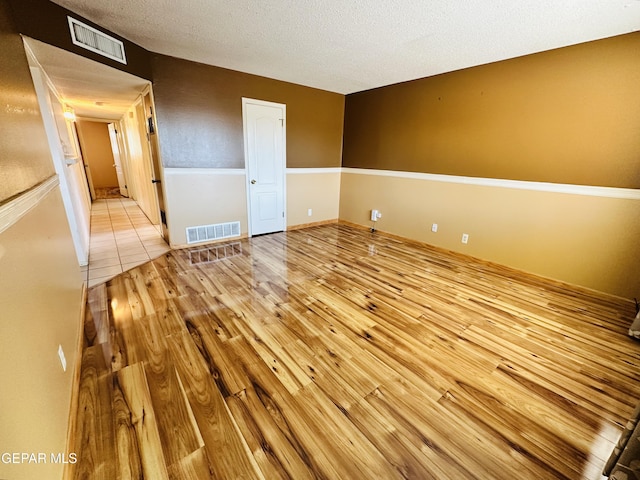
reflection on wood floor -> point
(335, 353)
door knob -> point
(253, 182)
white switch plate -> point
(309, 212)
(434, 227)
(465, 238)
(63, 360)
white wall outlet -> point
(465, 238)
(309, 212)
(63, 360)
(434, 227)
(375, 215)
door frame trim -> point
(114, 139)
(246, 101)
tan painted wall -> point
(199, 113)
(570, 115)
(96, 151)
(567, 116)
(209, 196)
(584, 240)
(319, 192)
(40, 301)
(40, 281)
(203, 198)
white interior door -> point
(265, 154)
(115, 148)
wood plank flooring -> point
(334, 353)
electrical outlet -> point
(434, 227)
(465, 238)
(63, 360)
(309, 212)
(375, 215)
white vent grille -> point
(218, 231)
(98, 42)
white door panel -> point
(115, 148)
(267, 207)
(265, 144)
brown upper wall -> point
(199, 113)
(570, 115)
(47, 22)
(25, 160)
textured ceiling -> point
(351, 45)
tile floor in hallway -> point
(122, 237)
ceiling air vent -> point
(205, 233)
(88, 37)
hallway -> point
(121, 238)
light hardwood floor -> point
(334, 353)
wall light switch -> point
(309, 212)
(434, 227)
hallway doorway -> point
(97, 153)
(122, 194)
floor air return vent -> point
(218, 231)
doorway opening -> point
(100, 122)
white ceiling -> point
(92, 89)
(347, 46)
